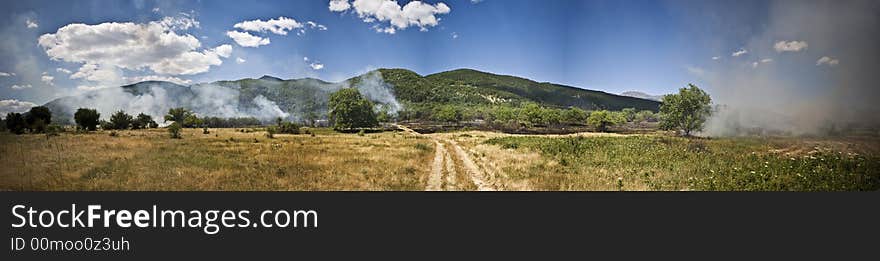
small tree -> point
(574, 115)
(174, 130)
(603, 119)
(349, 110)
(15, 123)
(38, 118)
(192, 121)
(629, 114)
(447, 113)
(644, 116)
(87, 119)
(120, 120)
(143, 121)
(177, 115)
(685, 111)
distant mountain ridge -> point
(642, 95)
(302, 99)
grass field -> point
(225, 159)
(232, 159)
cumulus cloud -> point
(13, 105)
(47, 79)
(6, 74)
(111, 46)
(739, 53)
(454, 35)
(31, 23)
(716, 57)
(414, 13)
(279, 26)
(339, 5)
(316, 65)
(62, 70)
(766, 60)
(827, 61)
(792, 46)
(245, 39)
(19, 87)
(239, 60)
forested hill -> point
(466, 86)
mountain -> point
(267, 97)
(642, 95)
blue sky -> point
(613, 46)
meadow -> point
(321, 159)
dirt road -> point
(444, 174)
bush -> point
(87, 119)
(177, 115)
(270, 132)
(603, 119)
(174, 130)
(120, 120)
(205, 131)
(143, 121)
(288, 128)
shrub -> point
(205, 131)
(87, 119)
(603, 119)
(361, 133)
(288, 128)
(54, 130)
(177, 115)
(143, 121)
(120, 120)
(174, 130)
(270, 132)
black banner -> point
(459, 225)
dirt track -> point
(446, 154)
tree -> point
(192, 121)
(629, 114)
(38, 118)
(174, 130)
(685, 111)
(15, 123)
(177, 115)
(603, 119)
(120, 120)
(349, 110)
(644, 116)
(447, 113)
(574, 115)
(87, 119)
(143, 121)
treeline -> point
(527, 115)
(37, 120)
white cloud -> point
(13, 105)
(101, 75)
(454, 35)
(47, 79)
(476, 1)
(19, 87)
(239, 60)
(766, 60)
(339, 5)
(716, 57)
(62, 70)
(137, 79)
(246, 39)
(793, 46)
(755, 65)
(316, 65)
(828, 61)
(314, 25)
(739, 53)
(279, 26)
(6, 74)
(31, 23)
(133, 46)
(156, 10)
(414, 13)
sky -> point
(58, 48)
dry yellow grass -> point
(225, 159)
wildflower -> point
(753, 172)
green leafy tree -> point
(603, 119)
(174, 130)
(38, 118)
(120, 120)
(645, 116)
(177, 115)
(574, 115)
(686, 111)
(143, 121)
(192, 121)
(349, 110)
(447, 113)
(629, 114)
(87, 119)
(15, 123)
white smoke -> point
(793, 96)
(374, 88)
